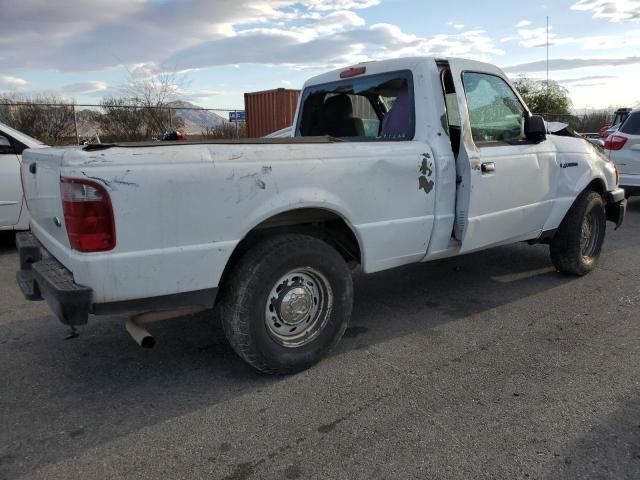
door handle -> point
(32, 167)
(488, 167)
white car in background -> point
(286, 132)
(13, 212)
(623, 148)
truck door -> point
(10, 186)
(506, 183)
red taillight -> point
(615, 142)
(88, 215)
(353, 72)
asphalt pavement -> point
(490, 365)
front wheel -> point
(287, 303)
(576, 247)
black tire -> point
(571, 252)
(249, 297)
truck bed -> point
(234, 141)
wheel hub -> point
(298, 307)
(589, 233)
(295, 305)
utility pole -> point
(75, 123)
(547, 102)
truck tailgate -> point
(41, 183)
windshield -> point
(371, 108)
(21, 137)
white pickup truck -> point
(391, 163)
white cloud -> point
(12, 83)
(629, 38)
(200, 95)
(86, 88)
(559, 64)
(590, 78)
(149, 37)
(331, 23)
(523, 23)
(612, 10)
(326, 5)
(276, 46)
(537, 37)
(125, 32)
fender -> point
(562, 205)
(579, 166)
(284, 203)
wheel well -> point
(598, 186)
(323, 224)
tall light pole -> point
(547, 102)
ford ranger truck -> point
(390, 163)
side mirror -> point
(4, 142)
(535, 128)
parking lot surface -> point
(490, 365)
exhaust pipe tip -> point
(148, 342)
(140, 334)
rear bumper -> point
(631, 191)
(616, 206)
(629, 181)
(42, 277)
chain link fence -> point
(115, 121)
(587, 124)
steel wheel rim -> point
(298, 307)
(589, 234)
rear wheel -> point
(576, 247)
(287, 303)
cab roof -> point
(403, 63)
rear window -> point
(620, 118)
(371, 108)
(632, 125)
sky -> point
(86, 49)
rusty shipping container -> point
(269, 111)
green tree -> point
(553, 99)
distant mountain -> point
(196, 120)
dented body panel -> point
(181, 210)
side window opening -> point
(631, 126)
(372, 108)
(495, 113)
(11, 149)
(453, 112)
